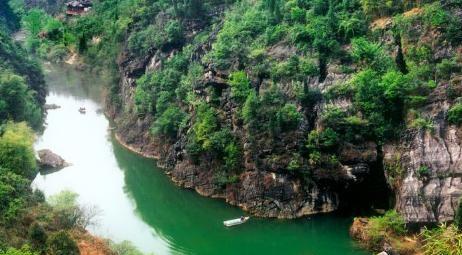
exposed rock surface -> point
(430, 183)
(264, 187)
(50, 161)
(424, 167)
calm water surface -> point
(140, 204)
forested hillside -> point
(289, 108)
(28, 224)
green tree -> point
(61, 243)
(240, 86)
(169, 122)
(16, 150)
(17, 102)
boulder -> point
(50, 161)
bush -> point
(446, 68)
(240, 86)
(289, 117)
(13, 190)
(382, 226)
(124, 248)
(325, 140)
(69, 214)
(25, 250)
(458, 216)
(370, 54)
(443, 240)
(250, 109)
(455, 114)
(169, 122)
(16, 150)
(61, 243)
(37, 235)
(17, 101)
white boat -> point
(234, 222)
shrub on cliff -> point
(61, 243)
(458, 216)
(17, 101)
(381, 227)
(25, 250)
(455, 114)
(169, 122)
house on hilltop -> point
(78, 7)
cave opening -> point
(371, 195)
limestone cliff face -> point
(422, 167)
(264, 188)
(429, 185)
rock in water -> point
(50, 161)
(51, 106)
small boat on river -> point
(234, 222)
(82, 110)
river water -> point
(140, 204)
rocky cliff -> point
(421, 165)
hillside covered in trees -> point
(286, 108)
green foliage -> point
(373, 92)
(169, 122)
(447, 68)
(458, 216)
(16, 150)
(155, 37)
(444, 239)
(61, 243)
(423, 171)
(289, 117)
(68, 213)
(25, 250)
(380, 227)
(64, 200)
(241, 27)
(124, 248)
(13, 63)
(38, 236)
(240, 86)
(371, 55)
(17, 101)
(250, 109)
(14, 190)
(455, 114)
(325, 140)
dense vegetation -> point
(28, 224)
(276, 67)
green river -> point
(140, 204)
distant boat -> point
(230, 223)
(82, 110)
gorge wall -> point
(296, 170)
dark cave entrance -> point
(370, 195)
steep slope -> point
(290, 108)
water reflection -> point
(140, 203)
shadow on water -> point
(193, 224)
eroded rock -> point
(48, 160)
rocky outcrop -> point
(263, 186)
(428, 178)
(50, 161)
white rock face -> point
(431, 186)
